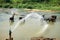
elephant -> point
(52, 18)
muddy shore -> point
(37, 10)
(28, 10)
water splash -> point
(41, 32)
(34, 15)
(20, 22)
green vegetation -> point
(31, 4)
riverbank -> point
(37, 10)
(27, 10)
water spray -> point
(35, 14)
(42, 31)
(20, 22)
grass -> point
(41, 6)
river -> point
(29, 29)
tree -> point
(8, 1)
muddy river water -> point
(29, 28)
